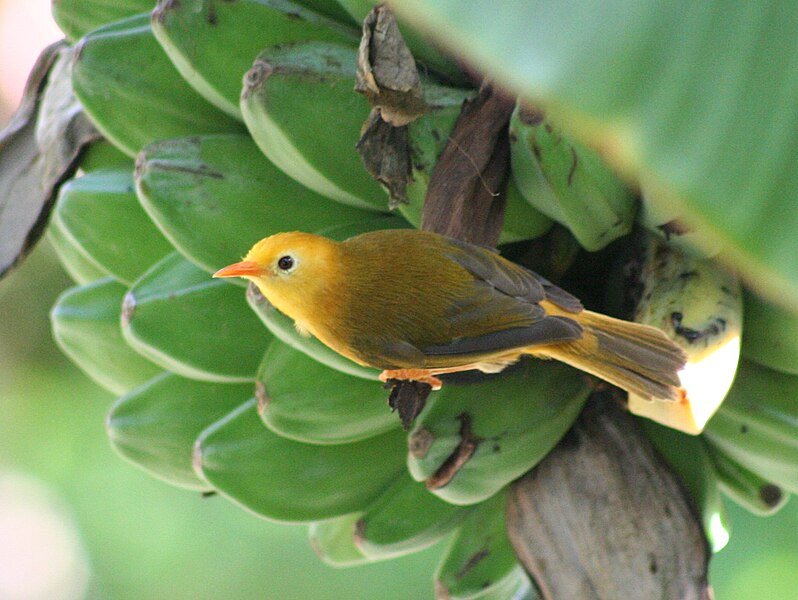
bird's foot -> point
(419, 375)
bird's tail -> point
(637, 358)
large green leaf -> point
(696, 98)
(199, 327)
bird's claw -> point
(419, 375)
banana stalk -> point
(690, 460)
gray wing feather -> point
(509, 278)
(546, 331)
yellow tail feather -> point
(637, 358)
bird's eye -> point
(285, 263)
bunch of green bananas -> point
(242, 122)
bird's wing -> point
(510, 278)
(501, 307)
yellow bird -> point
(417, 305)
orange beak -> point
(240, 269)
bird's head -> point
(290, 269)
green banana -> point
(472, 440)
(104, 155)
(699, 306)
(745, 487)
(522, 221)
(301, 399)
(658, 216)
(406, 518)
(155, 425)
(300, 109)
(133, 93)
(76, 18)
(289, 481)
(427, 138)
(333, 541)
(569, 182)
(329, 8)
(479, 563)
(771, 334)
(215, 196)
(757, 426)
(688, 457)
(283, 327)
(213, 43)
(85, 322)
(193, 325)
(99, 211)
(80, 267)
(427, 56)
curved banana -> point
(289, 481)
(333, 541)
(568, 182)
(405, 519)
(193, 325)
(76, 18)
(155, 425)
(302, 399)
(757, 426)
(120, 72)
(213, 196)
(101, 206)
(85, 323)
(479, 563)
(745, 487)
(212, 44)
(280, 103)
(699, 306)
(472, 440)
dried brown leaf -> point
(39, 149)
(386, 71)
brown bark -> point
(603, 517)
